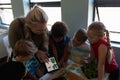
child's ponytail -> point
(109, 53)
(108, 39)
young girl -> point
(24, 51)
(79, 49)
(58, 43)
(102, 51)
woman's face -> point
(92, 37)
(38, 28)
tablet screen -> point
(51, 65)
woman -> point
(32, 27)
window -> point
(51, 7)
(108, 11)
(5, 10)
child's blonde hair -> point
(24, 48)
(99, 29)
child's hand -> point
(30, 76)
(62, 64)
(83, 62)
(39, 72)
(65, 64)
(34, 78)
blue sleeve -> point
(32, 64)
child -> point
(79, 49)
(24, 51)
(58, 43)
(102, 51)
(12, 71)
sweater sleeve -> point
(15, 31)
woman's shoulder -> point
(17, 25)
(18, 22)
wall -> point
(20, 7)
(77, 13)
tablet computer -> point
(51, 65)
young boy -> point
(80, 50)
(58, 43)
(23, 52)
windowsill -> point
(115, 44)
(3, 26)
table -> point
(72, 67)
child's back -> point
(80, 49)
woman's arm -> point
(15, 31)
(102, 51)
(42, 56)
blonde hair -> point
(24, 48)
(99, 29)
(36, 15)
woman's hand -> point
(42, 56)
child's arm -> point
(102, 51)
(65, 56)
(92, 57)
(39, 72)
